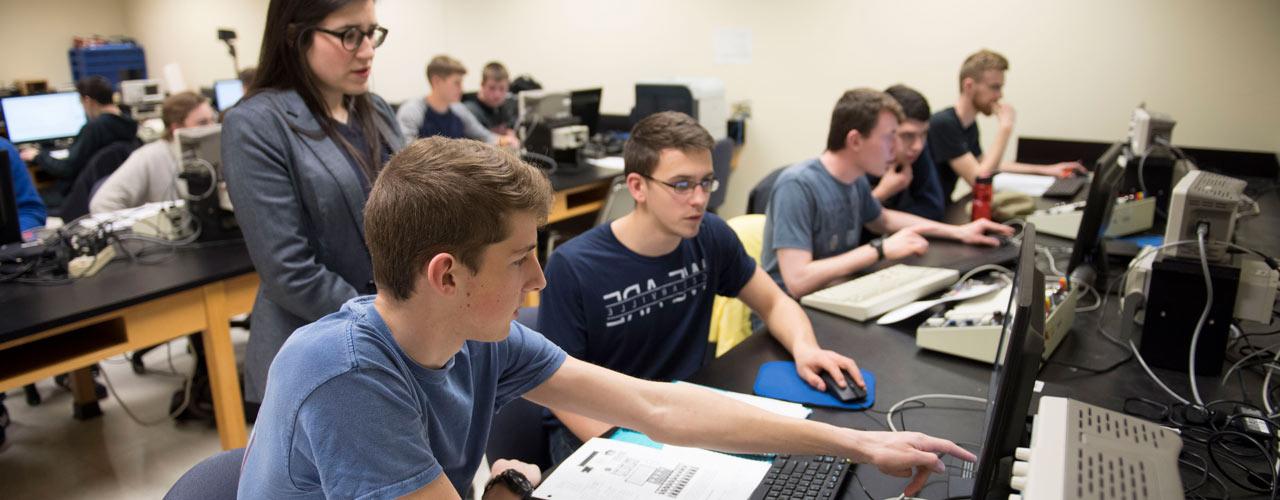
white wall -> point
(1078, 67)
(185, 32)
(36, 35)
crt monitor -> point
(226, 93)
(585, 105)
(10, 225)
(1013, 376)
(541, 105)
(43, 117)
(1090, 249)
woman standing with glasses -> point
(300, 153)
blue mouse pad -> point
(778, 380)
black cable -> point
(1097, 371)
(860, 485)
(1213, 457)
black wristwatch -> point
(514, 481)
(878, 244)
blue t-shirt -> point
(447, 124)
(923, 196)
(348, 414)
(948, 140)
(647, 317)
(811, 210)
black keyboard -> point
(803, 477)
(1066, 187)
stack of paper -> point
(615, 470)
(1028, 184)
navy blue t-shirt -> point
(924, 195)
(647, 317)
(948, 140)
(349, 414)
(445, 124)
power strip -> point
(85, 266)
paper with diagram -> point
(616, 470)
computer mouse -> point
(850, 393)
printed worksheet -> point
(616, 470)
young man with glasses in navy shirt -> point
(635, 295)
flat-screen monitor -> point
(227, 92)
(10, 225)
(1013, 377)
(585, 104)
(43, 117)
(1089, 246)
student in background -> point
(106, 125)
(150, 174)
(31, 212)
(494, 104)
(819, 206)
(393, 395)
(663, 263)
(300, 153)
(441, 112)
(953, 132)
(911, 183)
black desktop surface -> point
(30, 309)
(904, 370)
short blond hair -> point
(451, 196)
(443, 66)
(980, 62)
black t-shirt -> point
(504, 114)
(948, 140)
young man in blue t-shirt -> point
(911, 184)
(953, 132)
(819, 206)
(635, 295)
(394, 394)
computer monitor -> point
(226, 93)
(585, 104)
(1090, 246)
(542, 105)
(43, 117)
(1013, 377)
(10, 225)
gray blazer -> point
(300, 206)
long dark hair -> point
(282, 65)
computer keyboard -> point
(1066, 187)
(803, 477)
(881, 291)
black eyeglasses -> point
(685, 187)
(353, 37)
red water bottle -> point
(982, 197)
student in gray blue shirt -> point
(819, 206)
(393, 395)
